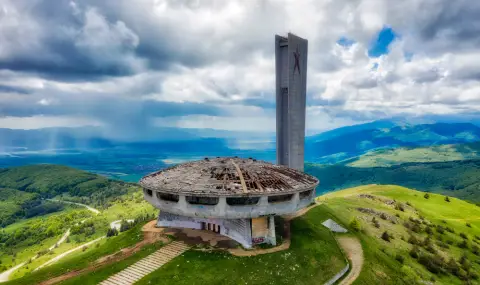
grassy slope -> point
(438, 153)
(126, 207)
(460, 179)
(382, 266)
(313, 258)
(81, 259)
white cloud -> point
(220, 54)
(38, 122)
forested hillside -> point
(460, 179)
(23, 190)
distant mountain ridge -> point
(433, 153)
(329, 147)
(349, 142)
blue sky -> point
(130, 68)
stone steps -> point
(147, 265)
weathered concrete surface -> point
(291, 89)
(227, 176)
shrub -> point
(434, 264)
(400, 207)
(447, 199)
(413, 240)
(465, 263)
(463, 235)
(450, 230)
(430, 249)
(429, 230)
(475, 250)
(112, 232)
(416, 228)
(449, 242)
(443, 245)
(400, 258)
(414, 252)
(383, 216)
(355, 225)
(468, 225)
(408, 203)
(463, 244)
(386, 236)
(426, 196)
(440, 230)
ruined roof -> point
(226, 176)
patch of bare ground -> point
(150, 235)
(353, 249)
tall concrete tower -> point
(291, 86)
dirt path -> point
(4, 276)
(62, 255)
(78, 204)
(149, 238)
(353, 249)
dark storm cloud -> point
(112, 110)
(13, 89)
(60, 41)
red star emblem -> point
(296, 66)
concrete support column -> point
(296, 199)
(271, 230)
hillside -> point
(34, 230)
(410, 239)
(395, 156)
(349, 142)
(460, 179)
(23, 190)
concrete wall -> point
(291, 88)
(225, 211)
(236, 229)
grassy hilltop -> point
(396, 156)
(460, 179)
(428, 239)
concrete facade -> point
(225, 211)
(291, 89)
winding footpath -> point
(5, 276)
(78, 204)
(354, 251)
(60, 256)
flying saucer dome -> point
(230, 188)
(228, 177)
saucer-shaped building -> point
(234, 197)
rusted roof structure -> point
(228, 176)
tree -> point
(355, 225)
(426, 196)
(447, 199)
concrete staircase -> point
(147, 265)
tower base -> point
(247, 232)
